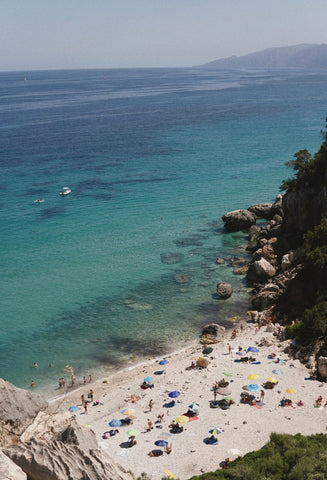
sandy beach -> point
(244, 427)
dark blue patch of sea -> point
(125, 266)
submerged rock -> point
(171, 258)
(182, 278)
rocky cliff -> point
(39, 443)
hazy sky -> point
(45, 34)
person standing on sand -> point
(85, 407)
(90, 378)
(149, 425)
(150, 404)
(229, 348)
(84, 379)
(215, 391)
(262, 396)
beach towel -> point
(193, 418)
(255, 363)
(257, 406)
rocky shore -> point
(40, 441)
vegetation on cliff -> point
(309, 236)
(285, 457)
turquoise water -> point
(154, 158)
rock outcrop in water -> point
(224, 290)
(47, 445)
(238, 220)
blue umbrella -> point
(73, 409)
(253, 349)
(163, 362)
(115, 423)
(277, 372)
(161, 443)
(215, 431)
(148, 379)
(253, 387)
(174, 394)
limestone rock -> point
(18, 407)
(242, 270)
(224, 290)
(54, 460)
(9, 470)
(262, 210)
(238, 220)
(212, 333)
(260, 270)
(322, 367)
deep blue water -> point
(154, 158)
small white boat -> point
(65, 191)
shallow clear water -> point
(154, 158)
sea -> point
(125, 267)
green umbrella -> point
(133, 432)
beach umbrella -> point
(73, 409)
(291, 390)
(174, 394)
(128, 411)
(182, 419)
(253, 376)
(253, 387)
(277, 372)
(227, 374)
(163, 362)
(215, 431)
(224, 391)
(169, 474)
(253, 349)
(133, 432)
(115, 423)
(194, 406)
(207, 350)
(272, 380)
(148, 379)
(161, 443)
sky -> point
(72, 34)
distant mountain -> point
(296, 56)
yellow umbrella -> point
(253, 376)
(128, 411)
(291, 390)
(272, 380)
(169, 474)
(182, 419)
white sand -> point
(245, 427)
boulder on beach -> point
(322, 367)
(224, 290)
(238, 220)
(212, 333)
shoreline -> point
(243, 426)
